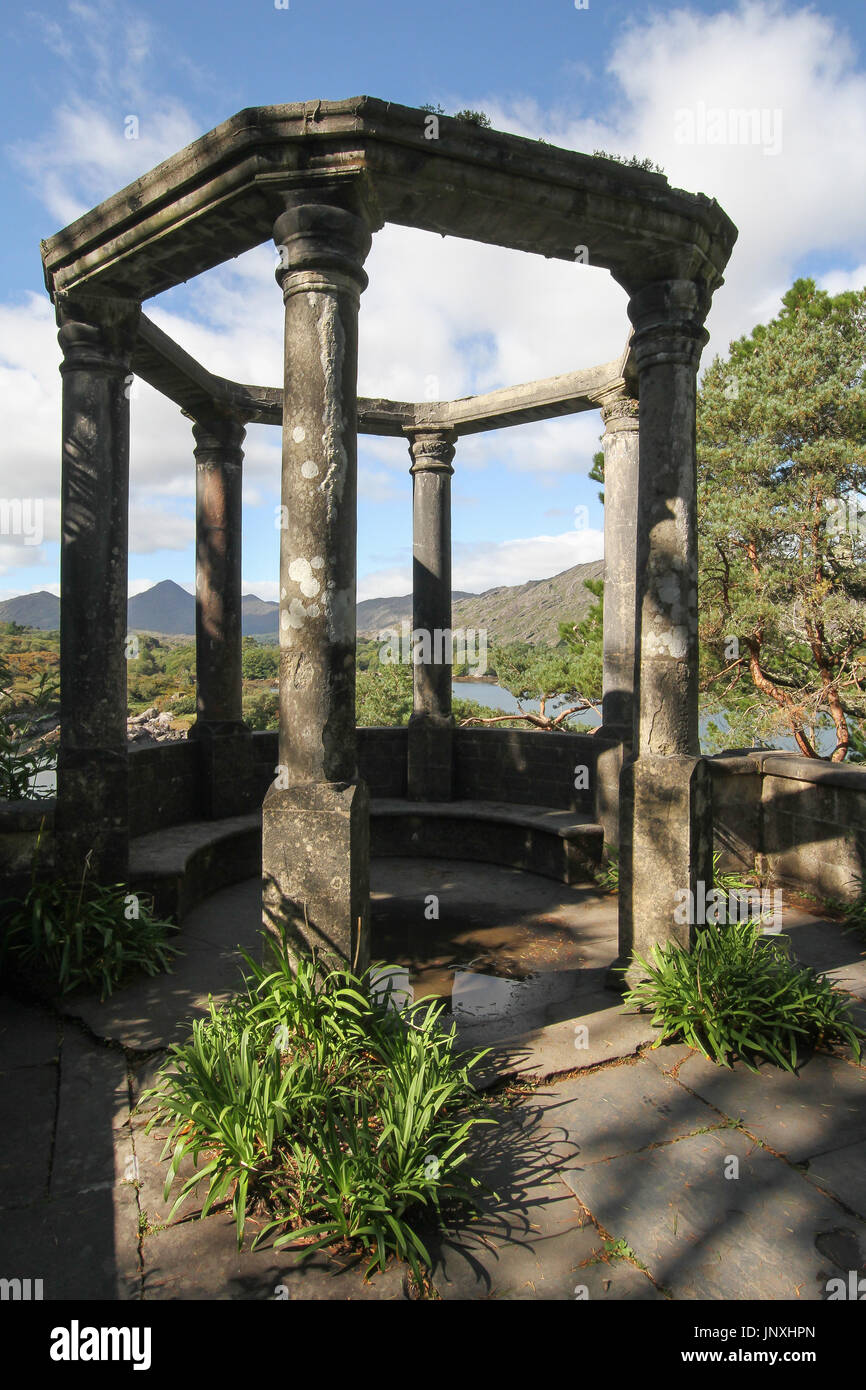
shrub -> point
(608, 877)
(22, 757)
(262, 711)
(479, 118)
(339, 1117)
(85, 934)
(736, 994)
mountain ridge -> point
(528, 612)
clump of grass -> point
(853, 910)
(336, 1117)
(74, 934)
(608, 877)
(737, 995)
(22, 756)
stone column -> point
(620, 444)
(316, 813)
(97, 338)
(430, 725)
(219, 726)
(666, 804)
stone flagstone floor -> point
(616, 1172)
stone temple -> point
(320, 179)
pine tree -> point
(782, 522)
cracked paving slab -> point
(705, 1233)
(529, 1239)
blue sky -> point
(441, 317)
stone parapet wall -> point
(799, 821)
(526, 766)
(814, 824)
(382, 760)
(164, 786)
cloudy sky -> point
(441, 317)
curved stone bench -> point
(563, 845)
(185, 863)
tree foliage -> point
(782, 469)
(572, 669)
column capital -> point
(322, 243)
(668, 318)
(431, 448)
(96, 333)
(620, 413)
(217, 435)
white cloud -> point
(155, 528)
(486, 565)
(477, 567)
(85, 155)
(837, 281)
(446, 317)
(386, 583)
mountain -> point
(375, 614)
(40, 610)
(169, 608)
(164, 608)
(259, 617)
(528, 612)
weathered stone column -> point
(219, 726)
(316, 813)
(430, 725)
(666, 804)
(620, 444)
(97, 337)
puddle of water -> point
(484, 972)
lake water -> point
(495, 698)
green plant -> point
(262, 710)
(633, 162)
(608, 877)
(85, 933)
(736, 994)
(339, 1117)
(852, 911)
(479, 118)
(20, 764)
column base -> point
(430, 775)
(666, 854)
(316, 871)
(226, 767)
